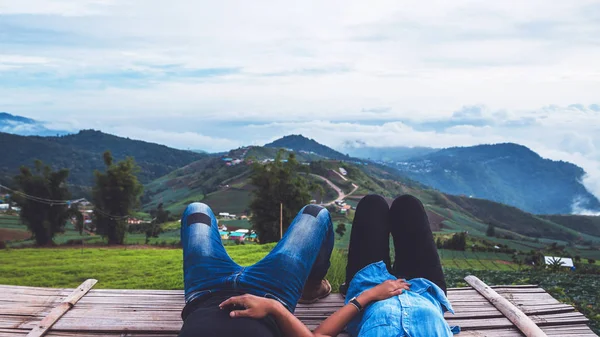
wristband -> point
(356, 303)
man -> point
(292, 272)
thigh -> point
(206, 264)
(416, 253)
(283, 272)
(369, 237)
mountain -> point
(507, 173)
(384, 154)
(82, 154)
(301, 143)
(226, 188)
(25, 126)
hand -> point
(385, 290)
(251, 306)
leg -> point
(206, 264)
(416, 253)
(302, 254)
(370, 235)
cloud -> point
(226, 73)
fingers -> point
(236, 300)
(240, 313)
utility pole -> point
(280, 220)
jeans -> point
(416, 255)
(302, 254)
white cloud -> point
(333, 70)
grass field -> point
(149, 268)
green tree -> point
(277, 183)
(115, 194)
(341, 229)
(154, 228)
(43, 217)
(491, 230)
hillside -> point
(300, 143)
(507, 173)
(82, 154)
(581, 223)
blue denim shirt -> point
(415, 313)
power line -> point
(52, 202)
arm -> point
(260, 307)
(290, 325)
(335, 323)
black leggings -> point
(406, 219)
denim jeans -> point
(302, 254)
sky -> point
(216, 75)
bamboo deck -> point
(156, 313)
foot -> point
(343, 289)
(314, 292)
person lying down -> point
(406, 298)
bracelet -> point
(356, 303)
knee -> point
(195, 208)
(374, 198)
(407, 201)
(314, 210)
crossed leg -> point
(301, 256)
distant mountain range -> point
(508, 173)
(25, 126)
(82, 154)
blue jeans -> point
(303, 254)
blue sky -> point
(217, 75)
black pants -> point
(416, 253)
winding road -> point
(341, 194)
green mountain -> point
(82, 154)
(301, 143)
(507, 173)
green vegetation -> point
(81, 153)
(301, 143)
(507, 173)
(277, 183)
(43, 218)
(115, 195)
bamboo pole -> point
(516, 316)
(66, 305)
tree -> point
(340, 229)
(491, 230)
(43, 217)
(458, 241)
(154, 228)
(115, 194)
(276, 183)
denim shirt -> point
(418, 312)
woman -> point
(378, 304)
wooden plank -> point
(516, 316)
(56, 313)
